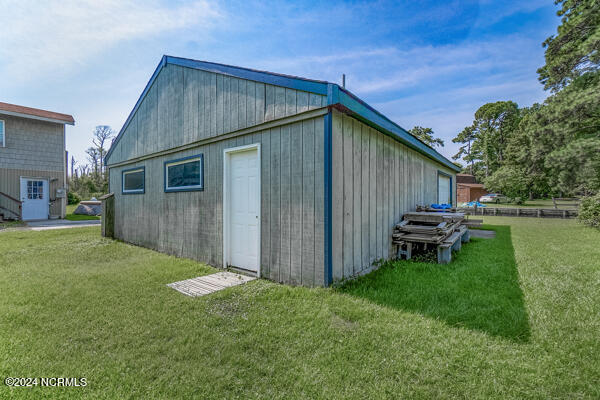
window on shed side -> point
(2, 135)
(134, 180)
(185, 174)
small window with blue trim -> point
(134, 180)
(185, 174)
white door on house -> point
(34, 195)
(444, 189)
(243, 206)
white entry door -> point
(444, 189)
(242, 207)
(34, 195)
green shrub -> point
(73, 198)
(518, 201)
(589, 211)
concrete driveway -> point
(59, 224)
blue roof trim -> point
(373, 117)
(292, 82)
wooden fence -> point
(519, 212)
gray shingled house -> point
(32, 163)
(296, 180)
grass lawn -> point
(11, 224)
(513, 317)
(77, 217)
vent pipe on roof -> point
(344, 81)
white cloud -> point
(383, 70)
(38, 38)
(434, 86)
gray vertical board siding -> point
(386, 194)
(220, 148)
(319, 197)
(286, 205)
(210, 190)
(375, 181)
(301, 101)
(337, 193)
(265, 237)
(242, 104)
(391, 218)
(357, 193)
(162, 115)
(275, 207)
(131, 140)
(190, 106)
(290, 102)
(175, 107)
(269, 102)
(348, 193)
(379, 191)
(186, 105)
(234, 107)
(308, 202)
(260, 103)
(250, 103)
(296, 202)
(190, 224)
(207, 104)
(150, 127)
(372, 195)
(280, 104)
(226, 103)
(365, 216)
(315, 101)
(220, 91)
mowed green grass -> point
(513, 317)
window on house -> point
(35, 190)
(134, 180)
(185, 174)
(2, 135)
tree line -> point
(89, 178)
(553, 148)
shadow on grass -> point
(478, 290)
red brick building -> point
(467, 188)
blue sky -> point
(428, 63)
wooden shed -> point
(296, 180)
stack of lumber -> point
(427, 227)
(430, 209)
(470, 223)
